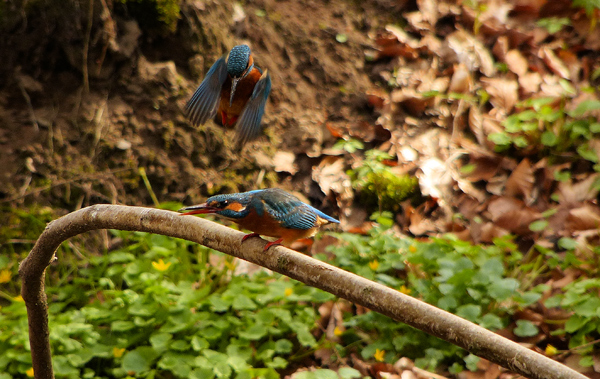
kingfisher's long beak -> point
(198, 209)
(234, 83)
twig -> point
(354, 288)
(29, 105)
(86, 46)
(142, 172)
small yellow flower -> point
(161, 265)
(405, 290)
(551, 350)
(118, 352)
(379, 355)
(337, 331)
(229, 265)
(412, 248)
(29, 372)
(5, 276)
(18, 299)
(374, 265)
(288, 292)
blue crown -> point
(238, 60)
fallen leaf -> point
(584, 218)
(530, 82)
(554, 63)
(462, 81)
(504, 93)
(521, 180)
(516, 62)
(470, 51)
(284, 162)
(512, 214)
(573, 193)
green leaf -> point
(567, 243)
(471, 361)
(574, 323)
(202, 373)
(584, 107)
(325, 374)
(199, 343)
(587, 361)
(283, 346)
(503, 289)
(180, 345)
(341, 38)
(500, 139)
(589, 308)
(349, 373)
(538, 226)
(303, 334)
(525, 328)
(470, 312)
(222, 370)
(491, 321)
(254, 333)
(548, 138)
(138, 360)
(242, 302)
(160, 341)
(587, 153)
(277, 363)
(122, 326)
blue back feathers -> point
(238, 60)
(278, 204)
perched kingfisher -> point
(269, 212)
(239, 88)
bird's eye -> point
(224, 203)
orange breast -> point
(267, 226)
(243, 91)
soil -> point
(66, 143)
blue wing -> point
(289, 211)
(248, 125)
(203, 104)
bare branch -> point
(341, 283)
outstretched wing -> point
(203, 104)
(248, 125)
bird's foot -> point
(277, 242)
(250, 236)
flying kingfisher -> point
(237, 90)
(269, 212)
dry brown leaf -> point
(581, 191)
(331, 176)
(485, 168)
(429, 10)
(488, 232)
(516, 62)
(512, 214)
(504, 93)
(521, 180)
(284, 162)
(462, 81)
(584, 218)
(554, 63)
(402, 36)
(530, 82)
(434, 178)
(413, 102)
(421, 225)
(500, 48)
(470, 51)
